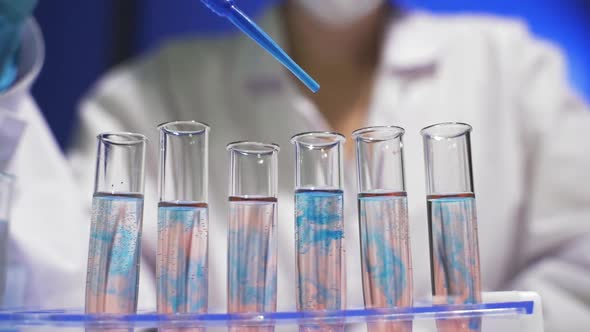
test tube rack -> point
(501, 311)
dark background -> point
(86, 38)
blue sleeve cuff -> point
(9, 72)
(22, 64)
(10, 41)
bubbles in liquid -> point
(113, 257)
(385, 254)
(252, 255)
(320, 251)
(455, 255)
(182, 266)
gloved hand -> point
(13, 14)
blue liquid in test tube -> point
(182, 274)
(455, 254)
(319, 236)
(113, 257)
(252, 260)
(387, 266)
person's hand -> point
(13, 14)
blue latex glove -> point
(13, 14)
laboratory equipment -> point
(383, 220)
(229, 10)
(115, 234)
(452, 219)
(182, 260)
(319, 222)
(500, 311)
(252, 227)
(6, 188)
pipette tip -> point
(313, 86)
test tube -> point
(319, 226)
(182, 264)
(6, 189)
(115, 234)
(452, 220)
(252, 239)
(383, 219)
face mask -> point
(340, 12)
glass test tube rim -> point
(126, 138)
(462, 129)
(254, 147)
(202, 127)
(166, 130)
(336, 139)
(122, 139)
(361, 134)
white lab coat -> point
(530, 151)
(48, 231)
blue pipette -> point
(228, 9)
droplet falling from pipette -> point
(228, 9)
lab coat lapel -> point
(408, 68)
